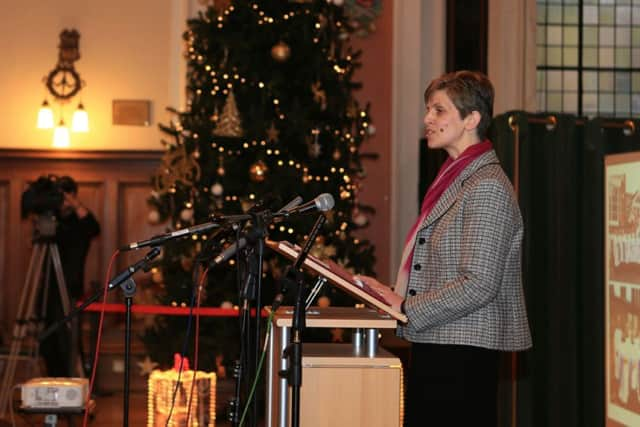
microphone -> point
(322, 203)
(313, 234)
(241, 243)
(292, 204)
(160, 239)
(116, 281)
(230, 251)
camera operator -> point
(76, 227)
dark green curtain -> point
(561, 190)
(548, 195)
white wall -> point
(418, 56)
(128, 51)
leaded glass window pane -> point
(605, 81)
(623, 15)
(570, 102)
(554, 80)
(554, 101)
(623, 81)
(570, 81)
(623, 104)
(590, 56)
(623, 36)
(605, 104)
(603, 63)
(623, 57)
(605, 56)
(606, 36)
(590, 15)
(590, 81)
(570, 56)
(570, 36)
(554, 14)
(589, 36)
(554, 35)
(554, 56)
(570, 14)
(635, 104)
(635, 58)
(590, 103)
(635, 15)
(606, 15)
(635, 81)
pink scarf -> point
(449, 171)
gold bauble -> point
(258, 171)
(157, 277)
(153, 217)
(217, 189)
(281, 51)
(186, 214)
(360, 219)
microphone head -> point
(297, 201)
(324, 202)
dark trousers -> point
(452, 385)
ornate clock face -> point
(63, 82)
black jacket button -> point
(412, 292)
(421, 241)
(417, 267)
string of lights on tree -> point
(271, 112)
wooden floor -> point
(108, 413)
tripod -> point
(45, 255)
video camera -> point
(43, 196)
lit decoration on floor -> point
(161, 388)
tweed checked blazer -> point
(465, 285)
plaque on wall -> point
(131, 112)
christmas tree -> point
(271, 114)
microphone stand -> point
(293, 352)
(129, 290)
(250, 291)
(127, 284)
(260, 229)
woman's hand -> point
(385, 291)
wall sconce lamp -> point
(63, 83)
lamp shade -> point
(80, 120)
(45, 116)
(61, 136)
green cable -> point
(255, 380)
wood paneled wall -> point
(114, 185)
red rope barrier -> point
(166, 310)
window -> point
(588, 57)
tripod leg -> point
(23, 317)
(44, 301)
(62, 286)
(54, 254)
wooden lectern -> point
(355, 384)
